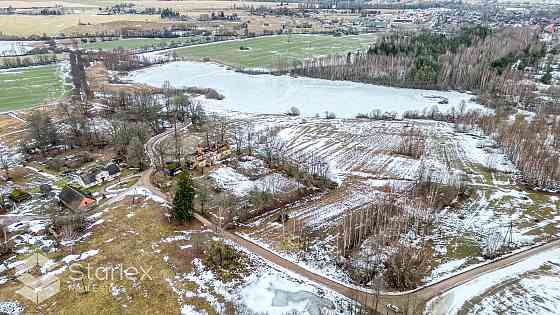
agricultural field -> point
(25, 25)
(27, 87)
(264, 52)
(176, 4)
(92, 5)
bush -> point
(208, 92)
(294, 111)
(406, 268)
(224, 260)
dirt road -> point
(414, 301)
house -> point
(96, 176)
(74, 200)
(88, 179)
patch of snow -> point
(190, 310)
(11, 308)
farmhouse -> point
(75, 200)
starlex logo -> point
(36, 287)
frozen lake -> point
(276, 94)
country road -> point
(413, 301)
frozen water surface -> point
(276, 94)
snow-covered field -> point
(361, 159)
(276, 94)
(531, 286)
(8, 48)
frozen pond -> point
(275, 295)
(276, 94)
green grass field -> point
(139, 43)
(264, 52)
(27, 87)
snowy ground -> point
(266, 289)
(531, 286)
(276, 94)
(361, 160)
(8, 48)
(240, 185)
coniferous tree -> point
(183, 204)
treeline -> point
(476, 59)
(35, 60)
(532, 145)
(122, 60)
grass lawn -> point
(133, 43)
(263, 52)
(27, 87)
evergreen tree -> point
(547, 76)
(183, 204)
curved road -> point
(414, 301)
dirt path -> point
(414, 301)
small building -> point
(5, 204)
(74, 200)
(172, 168)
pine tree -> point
(183, 203)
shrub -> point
(294, 111)
(406, 268)
(224, 260)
